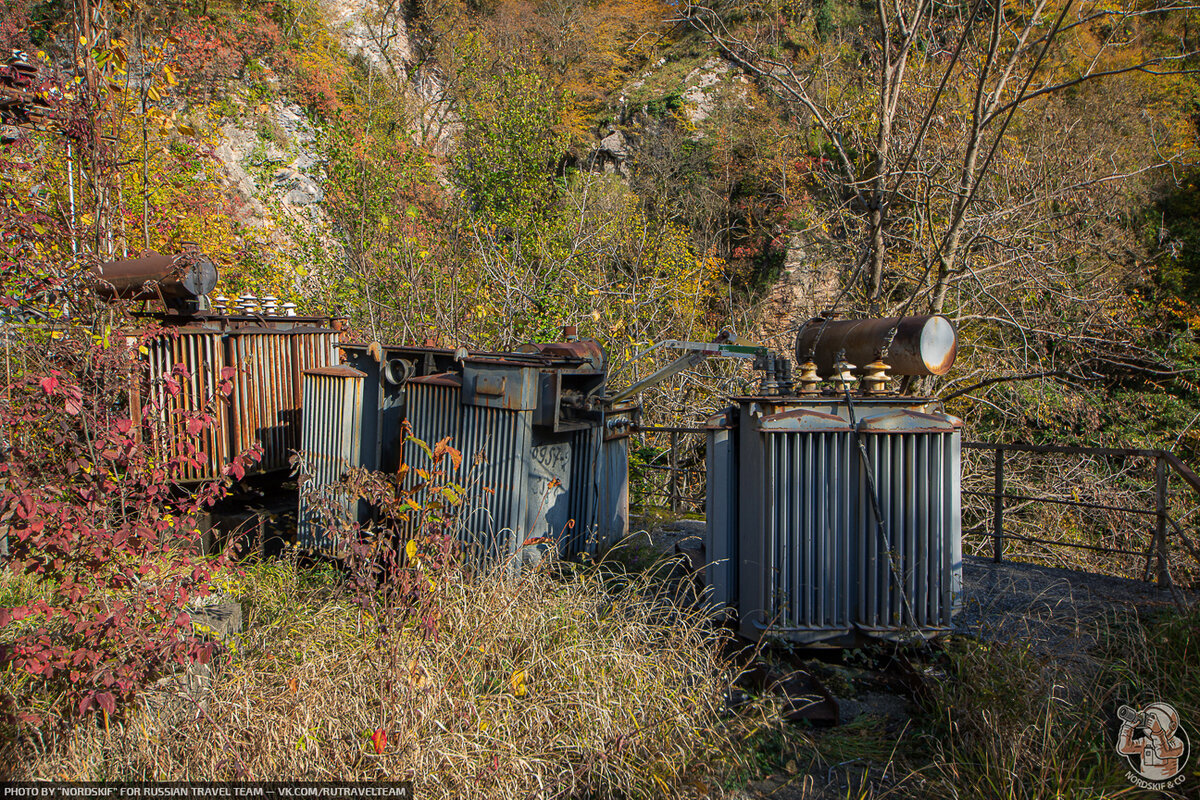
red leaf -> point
(74, 401)
(172, 386)
(48, 384)
(228, 372)
(194, 426)
(26, 506)
(379, 740)
(123, 425)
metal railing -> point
(675, 477)
(670, 478)
(1157, 550)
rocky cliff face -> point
(808, 282)
(807, 285)
(273, 163)
(273, 169)
(270, 154)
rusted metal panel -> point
(270, 365)
(585, 350)
(269, 361)
(920, 346)
(511, 387)
(200, 354)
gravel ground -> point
(1051, 605)
(1057, 609)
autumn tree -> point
(923, 142)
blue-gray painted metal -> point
(496, 445)
(813, 565)
(721, 511)
(331, 443)
(583, 491)
(912, 575)
(523, 479)
(612, 513)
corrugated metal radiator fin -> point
(538, 469)
(721, 511)
(269, 356)
(911, 578)
(330, 445)
(796, 546)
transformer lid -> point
(450, 379)
(587, 350)
(339, 371)
(722, 420)
(803, 420)
(908, 421)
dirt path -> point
(1059, 610)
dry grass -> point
(1009, 721)
(600, 684)
(537, 686)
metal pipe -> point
(678, 365)
(71, 197)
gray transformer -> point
(542, 459)
(792, 538)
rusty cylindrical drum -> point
(922, 345)
(185, 276)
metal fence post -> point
(1160, 529)
(675, 472)
(998, 509)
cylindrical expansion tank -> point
(182, 277)
(921, 345)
